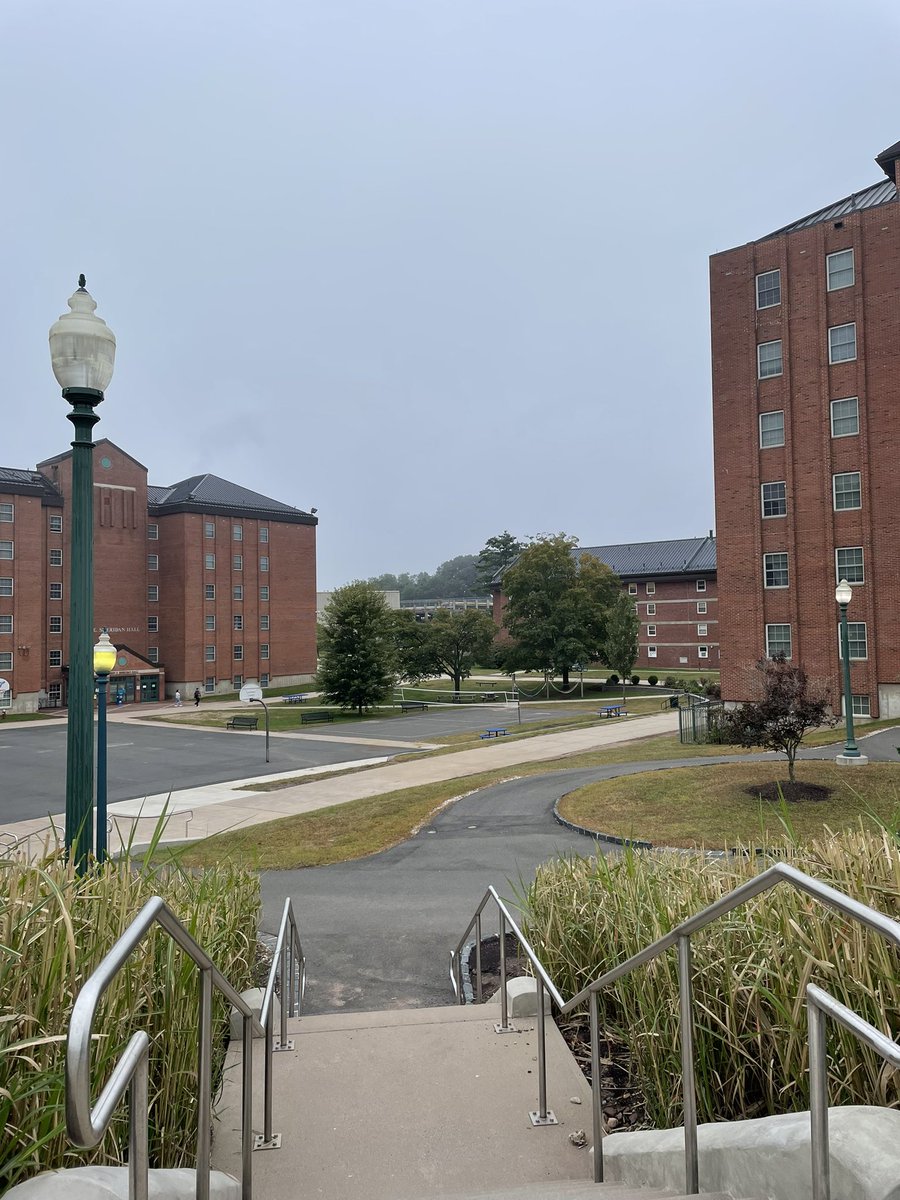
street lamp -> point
(82, 353)
(850, 756)
(105, 655)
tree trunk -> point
(791, 755)
(565, 679)
(623, 691)
(457, 680)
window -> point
(860, 706)
(6, 586)
(701, 585)
(153, 653)
(768, 289)
(209, 591)
(775, 570)
(651, 589)
(651, 631)
(152, 562)
(264, 621)
(237, 682)
(263, 534)
(56, 591)
(56, 624)
(6, 550)
(651, 609)
(210, 621)
(264, 679)
(847, 490)
(54, 691)
(238, 652)
(768, 359)
(849, 564)
(6, 623)
(632, 589)
(701, 631)
(701, 606)
(771, 429)
(210, 683)
(651, 652)
(153, 592)
(856, 640)
(152, 532)
(264, 593)
(264, 650)
(842, 343)
(774, 499)
(264, 563)
(778, 640)
(237, 562)
(55, 659)
(237, 592)
(6, 697)
(209, 529)
(840, 270)
(7, 512)
(845, 417)
(153, 624)
(237, 533)
(238, 621)
(209, 562)
(56, 524)
(56, 558)
(209, 653)
(703, 651)
(6, 659)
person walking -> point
(196, 697)
(177, 699)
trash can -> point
(673, 702)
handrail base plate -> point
(537, 1119)
(288, 1045)
(260, 1143)
(499, 1027)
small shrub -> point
(635, 680)
(672, 683)
(653, 680)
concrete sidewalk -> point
(216, 808)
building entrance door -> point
(149, 688)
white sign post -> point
(252, 693)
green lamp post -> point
(82, 352)
(843, 594)
(105, 655)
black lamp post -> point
(105, 655)
(82, 351)
(843, 594)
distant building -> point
(806, 363)
(202, 584)
(323, 599)
(675, 592)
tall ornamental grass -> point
(54, 929)
(585, 915)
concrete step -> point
(572, 1190)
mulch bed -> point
(623, 1101)
(792, 793)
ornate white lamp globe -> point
(105, 655)
(843, 593)
(82, 345)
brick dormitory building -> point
(806, 387)
(675, 591)
(202, 584)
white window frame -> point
(7, 507)
(650, 588)
(701, 585)
(237, 533)
(56, 592)
(264, 593)
(861, 705)
(865, 640)
(7, 586)
(55, 626)
(209, 529)
(651, 652)
(834, 493)
(153, 654)
(632, 589)
(264, 621)
(701, 607)
(651, 608)
(833, 343)
(790, 639)
(209, 562)
(209, 622)
(845, 400)
(209, 683)
(4, 617)
(264, 679)
(762, 500)
(237, 592)
(11, 554)
(842, 572)
(54, 659)
(238, 652)
(152, 531)
(209, 653)
(56, 524)
(6, 698)
(762, 360)
(703, 629)
(264, 562)
(651, 631)
(152, 624)
(764, 433)
(264, 534)
(836, 287)
(766, 275)
(766, 568)
(238, 621)
(6, 660)
(152, 562)
(153, 593)
(237, 682)
(56, 557)
(237, 562)
(264, 650)
(703, 651)
(209, 591)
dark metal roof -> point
(679, 557)
(211, 494)
(29, 483)
(883, 192)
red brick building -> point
(806, 363)
(201, 584)
(675, 592)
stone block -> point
(111, 1183)
(254, 997)
(521, 997)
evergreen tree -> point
(620, 647)
(357, 648)
(498, 552)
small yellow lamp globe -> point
(105, 655)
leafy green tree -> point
(556, 606)
(620, 646)
(455, 577)
(451, 643)
(357, 648)
(498, 552)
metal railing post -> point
(543, 1116)
(688, 1084)
(267, 1111)
(504, 1026)
(285, 988)
(596, 1097)
(138, 1152)
(818, 1102)
(204, 1084)
(478, 992)
(247, 1112)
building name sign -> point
(120, 629)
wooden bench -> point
(493, 733)
(308, 718)
(298, 698)
(242, 723)
(413, 706)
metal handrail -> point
(86, 1125)
(286, 958)
(818, 1002)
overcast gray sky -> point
(437, 267)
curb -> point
(608, 838)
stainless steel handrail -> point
(86, 1125)
(287, 957)
(680, 936)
